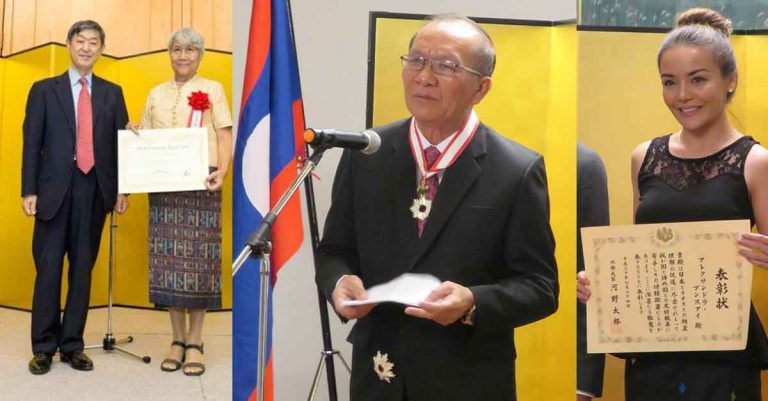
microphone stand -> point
(110, 343)
(259, 245)
(328, 352)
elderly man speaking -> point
(448, 196)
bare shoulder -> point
(638, 154)
(756, 165)
(757, 154)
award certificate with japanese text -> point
(667, 287)
(162, 160)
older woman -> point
(185, 227)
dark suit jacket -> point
(50, 131)
(488, 230)
(592, 210)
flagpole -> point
(328, 351)
(265, 271)
(259, 246)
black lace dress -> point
(674, 189)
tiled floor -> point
(117, 377)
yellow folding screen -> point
(137, 75)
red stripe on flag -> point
(269, 394)
(258, 46)
(289, 227)
(298, 127)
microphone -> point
(366, 141)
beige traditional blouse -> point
(168, 107)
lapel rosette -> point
(199, 103)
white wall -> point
(332, 43)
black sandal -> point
(199, 365)
(175, 362)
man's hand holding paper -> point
(346, 298)
(408, 288)
(446, 304)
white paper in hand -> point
(408, 288)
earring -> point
(730, 90)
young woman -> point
(705, 171)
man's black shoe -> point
(78, 360)
(40, 363)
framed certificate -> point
(162, 160)
(667, 287)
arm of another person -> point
(638, 155)
(215, 180)
(529, 288)
(756, 175)
(222, 124)
(121, 121)
(34, 122)
(338, 270)
(591, 210)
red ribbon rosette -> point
(199, 101)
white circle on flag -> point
(255, 166)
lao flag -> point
(268, 148)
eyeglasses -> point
(439, 67)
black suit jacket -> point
(50, 131)
(592, 210)
(488, 230)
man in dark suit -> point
(591, 210)
(448, 196)
(69, 183)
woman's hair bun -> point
(705, 16)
